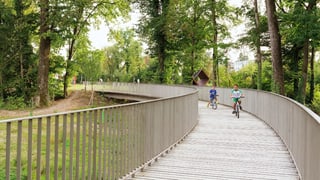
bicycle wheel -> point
(238, 111)
(214, 105)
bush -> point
(315, 106)
(13, 103)
(1, 103)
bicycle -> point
(214, 103)
(237, 110)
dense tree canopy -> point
(182, 37)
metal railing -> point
(100, 143)
(298, 126)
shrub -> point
(315, 106)
(1, 103)
(13, 103)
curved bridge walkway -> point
(223, 147)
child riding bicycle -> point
(212, 95)
(236, 94)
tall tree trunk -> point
(275, 41)
(70, 55)
(303, 81)
(44, 52)
(258, 45)
(215, 45)
(76, 32)
(295, 67)
(1, 87)
(23, 40)
(21, 64)
(160, 8)
(22, 80)
(312, 75)
(162, 55)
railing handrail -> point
(311, 113)
(99, 108)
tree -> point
(312, 84)
(17, 58)
(275, 42)
(220, 15)
(256, 35)
(130, 50)
(300, 29)
(123, 59)
(308, 36)
(153, 26)
(258, 43)
(44, 53)
(90, 64)
(80, 15)
(215, 63)
(187, 33)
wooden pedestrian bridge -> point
(170, 135)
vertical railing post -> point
(19, 144)
(84, 136)
(39, 149)
(90, 146)
(100, 117)
(105, 158)
(77, 173)
(71, 147)
(111, 145)
(8, 149)
(64, 147)
(56, 147)
(118, 148)
(94, 148)
(29, 167)
(48, 147)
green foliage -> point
(299, 29)
(226, 79)
(150, 73)
(17, 59)
(90, 63)
(246, 77)
(153, 27)
(1, 103)
(55, 88)
(123, 60)
(317, 72)
(14, 103)
(315, 106)
(252, 32)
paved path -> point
(223, 147)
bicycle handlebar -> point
(237, 97)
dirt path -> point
(76, 100)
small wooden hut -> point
(200, 78)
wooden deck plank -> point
(223, 147)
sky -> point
(99, 37)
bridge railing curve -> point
(99, 143)
(298, 126)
